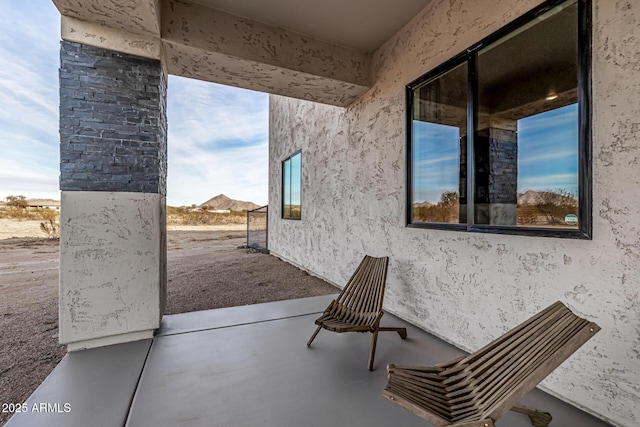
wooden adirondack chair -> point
(476, 390)
(358, 308)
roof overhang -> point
(318, 51)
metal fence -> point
(257, 229)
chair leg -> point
(538, 418)
(372, 354)
(401, 331)
(313, 336)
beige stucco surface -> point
(112, 266)
(203, 43)
(89, 33)
(136, 16)
(466, 287)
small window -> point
(291, 186)
(524, 166)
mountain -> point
(223, 202)
(534, 198)
(424, 204)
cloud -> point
(218, 135)
(567, 181)
(218, 142)
(538, 157)
(29, 141)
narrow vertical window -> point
(439, 129)
(292, 186)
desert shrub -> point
(184, 216)
(447, 210)
(51, 228)
(17, 207)
(551, 208)
(19, 202)
(27, 214)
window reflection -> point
(438, 149)
(291, 186)
(548, 168)
(526, 142)
(526, 92)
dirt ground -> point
(23, 228)
(206, 269)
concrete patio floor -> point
(249, 366)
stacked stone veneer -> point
(113, 166)
(112, 121)
(496, 159)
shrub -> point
(51, 228)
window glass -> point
(439, 145)
(296, 183)
(526, 143)
(524, 167)
(286, 189)
(291, 186)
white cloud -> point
(29, 141)
(218, 135)
(218, 142)
(567, 181)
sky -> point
(547, 155)
(217, 139)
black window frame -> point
(284, 165)
(585, 226)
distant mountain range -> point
(222, 202)
(528, 198)
(424, 204)
(534, 198)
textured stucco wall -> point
(139, 16)
(470, 288)
(197, 41)
(207, 44)
(112, 267)
(93, 34)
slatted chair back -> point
(358, 307)
(363, 294)
(490, 382)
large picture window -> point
(291, 186)
(499, 136)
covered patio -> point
(342, 103)
(249, 366)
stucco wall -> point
(112, 267)
(470, 288)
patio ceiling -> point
(318, 51)
(362, 25)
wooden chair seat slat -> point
(425, 401)
(358, 307)
(517, 358)
(503, 346)
(534, 362)
(485, 389)
(488, 383)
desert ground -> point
(207, 268)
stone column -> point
(496, 172)
(113, 151)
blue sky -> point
(547, 155)
(218, 135)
